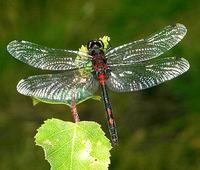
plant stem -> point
(74, 110)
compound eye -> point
(101, 45)
(89, 44)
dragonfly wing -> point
(146, 74)
(149, 48)
(59, 88)
(46, 58)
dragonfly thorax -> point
(99, 64)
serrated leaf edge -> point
(45, 153)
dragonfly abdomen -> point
(109, 114)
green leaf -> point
(37, 100)
(74, 146)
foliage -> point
(71, 146)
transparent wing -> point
(149, 48)
(146, 74)
(59, 87)
(46, 58)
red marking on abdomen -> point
(111, 121)
(101, 76)
(102, 79)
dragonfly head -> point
(95, 45)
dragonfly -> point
(129, 67)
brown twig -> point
(74, 110)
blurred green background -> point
(159, 128)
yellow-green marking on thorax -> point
(105, 40)
(79, 59)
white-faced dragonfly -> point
(129, 67)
